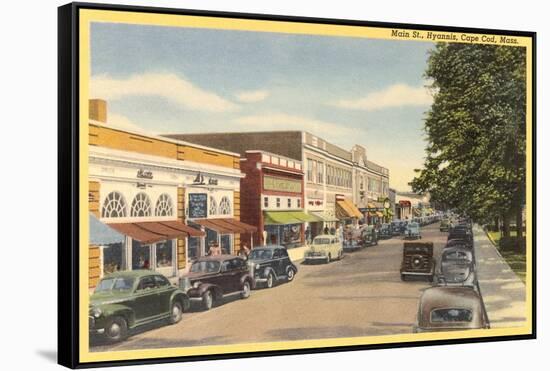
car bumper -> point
(95, 328)
(317, 257)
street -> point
(361, 295)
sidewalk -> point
(503, 292)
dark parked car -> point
(212, 278)
(125, 300)
(270, 264)
(369, 235)
(450, 308)
(385, 231)
(461, 233)
(418, 261)
(457, 267)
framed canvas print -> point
(242, 185)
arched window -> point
(225, 206)
(213, 209)
(141, 206)
(114, 206)
(164, 206)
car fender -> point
(265, 272)
(251, 281)
(292, 266)
(182, 298)
(110, 310)
(203, 287)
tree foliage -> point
(475, 156)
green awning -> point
(305, 217)
(280, 218)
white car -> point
(325, 248)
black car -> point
(418, 261)
(270, 264)
(461, 233)
(385, 231)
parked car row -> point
(361, 237)
(126, 300)
(454, 301)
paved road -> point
(360, 295)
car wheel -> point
(246, 290)
(290, 274)
(176, 312)
(116, 329)
(270, 280)
(207, 300)
(329, 258)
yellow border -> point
(87, 16)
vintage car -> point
(413, 231)
(353, 239)
(211, 278)
(418, 261)
(370, 235)
(324, 248)
(444, 225)
(449, 309)
(461, 233)
(457, 267)
(270, 264)
(460, 242)
(398, 227)
(385, 231)
(125, 300)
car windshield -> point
(451, 315)
(260, 254)
(115, 284)
(321, 241)
(206, 266)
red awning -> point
(151, 232)
(226, 225)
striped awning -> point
(346, 209)
(151, 232)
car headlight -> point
(196, 284)
(96, 312)
(257, 266)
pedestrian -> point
(245, 251)
(325, 230)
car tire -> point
(270, 280)
(116, 329)
(207, 300)
(329, 258)
(290, 274)
(245, 293)
(176, 312)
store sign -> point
(144, 174)
(282, 185)
(197, 205)
(199, 180)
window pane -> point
(164, 254)
(112, 258)
(141, 257)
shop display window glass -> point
(226, 243)
(141, 205)
(114, 206)
(213, 209)
(193, 247)
(141, 255)
(211, 237)
(112, 258)
(164, 254)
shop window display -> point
(225, 206)
(112, 258)
(213, 209)
(141, 256)
(164, 254)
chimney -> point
(98, 110)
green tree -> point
(475, 157)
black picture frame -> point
(68, 182)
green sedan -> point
(125, 300)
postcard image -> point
(251, 185)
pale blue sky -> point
(346, 90)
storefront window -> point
(164, 254)
(193, 248)
(226, 243)
(213, 209)
(211, 237)
(112, 258)
(141, 255)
